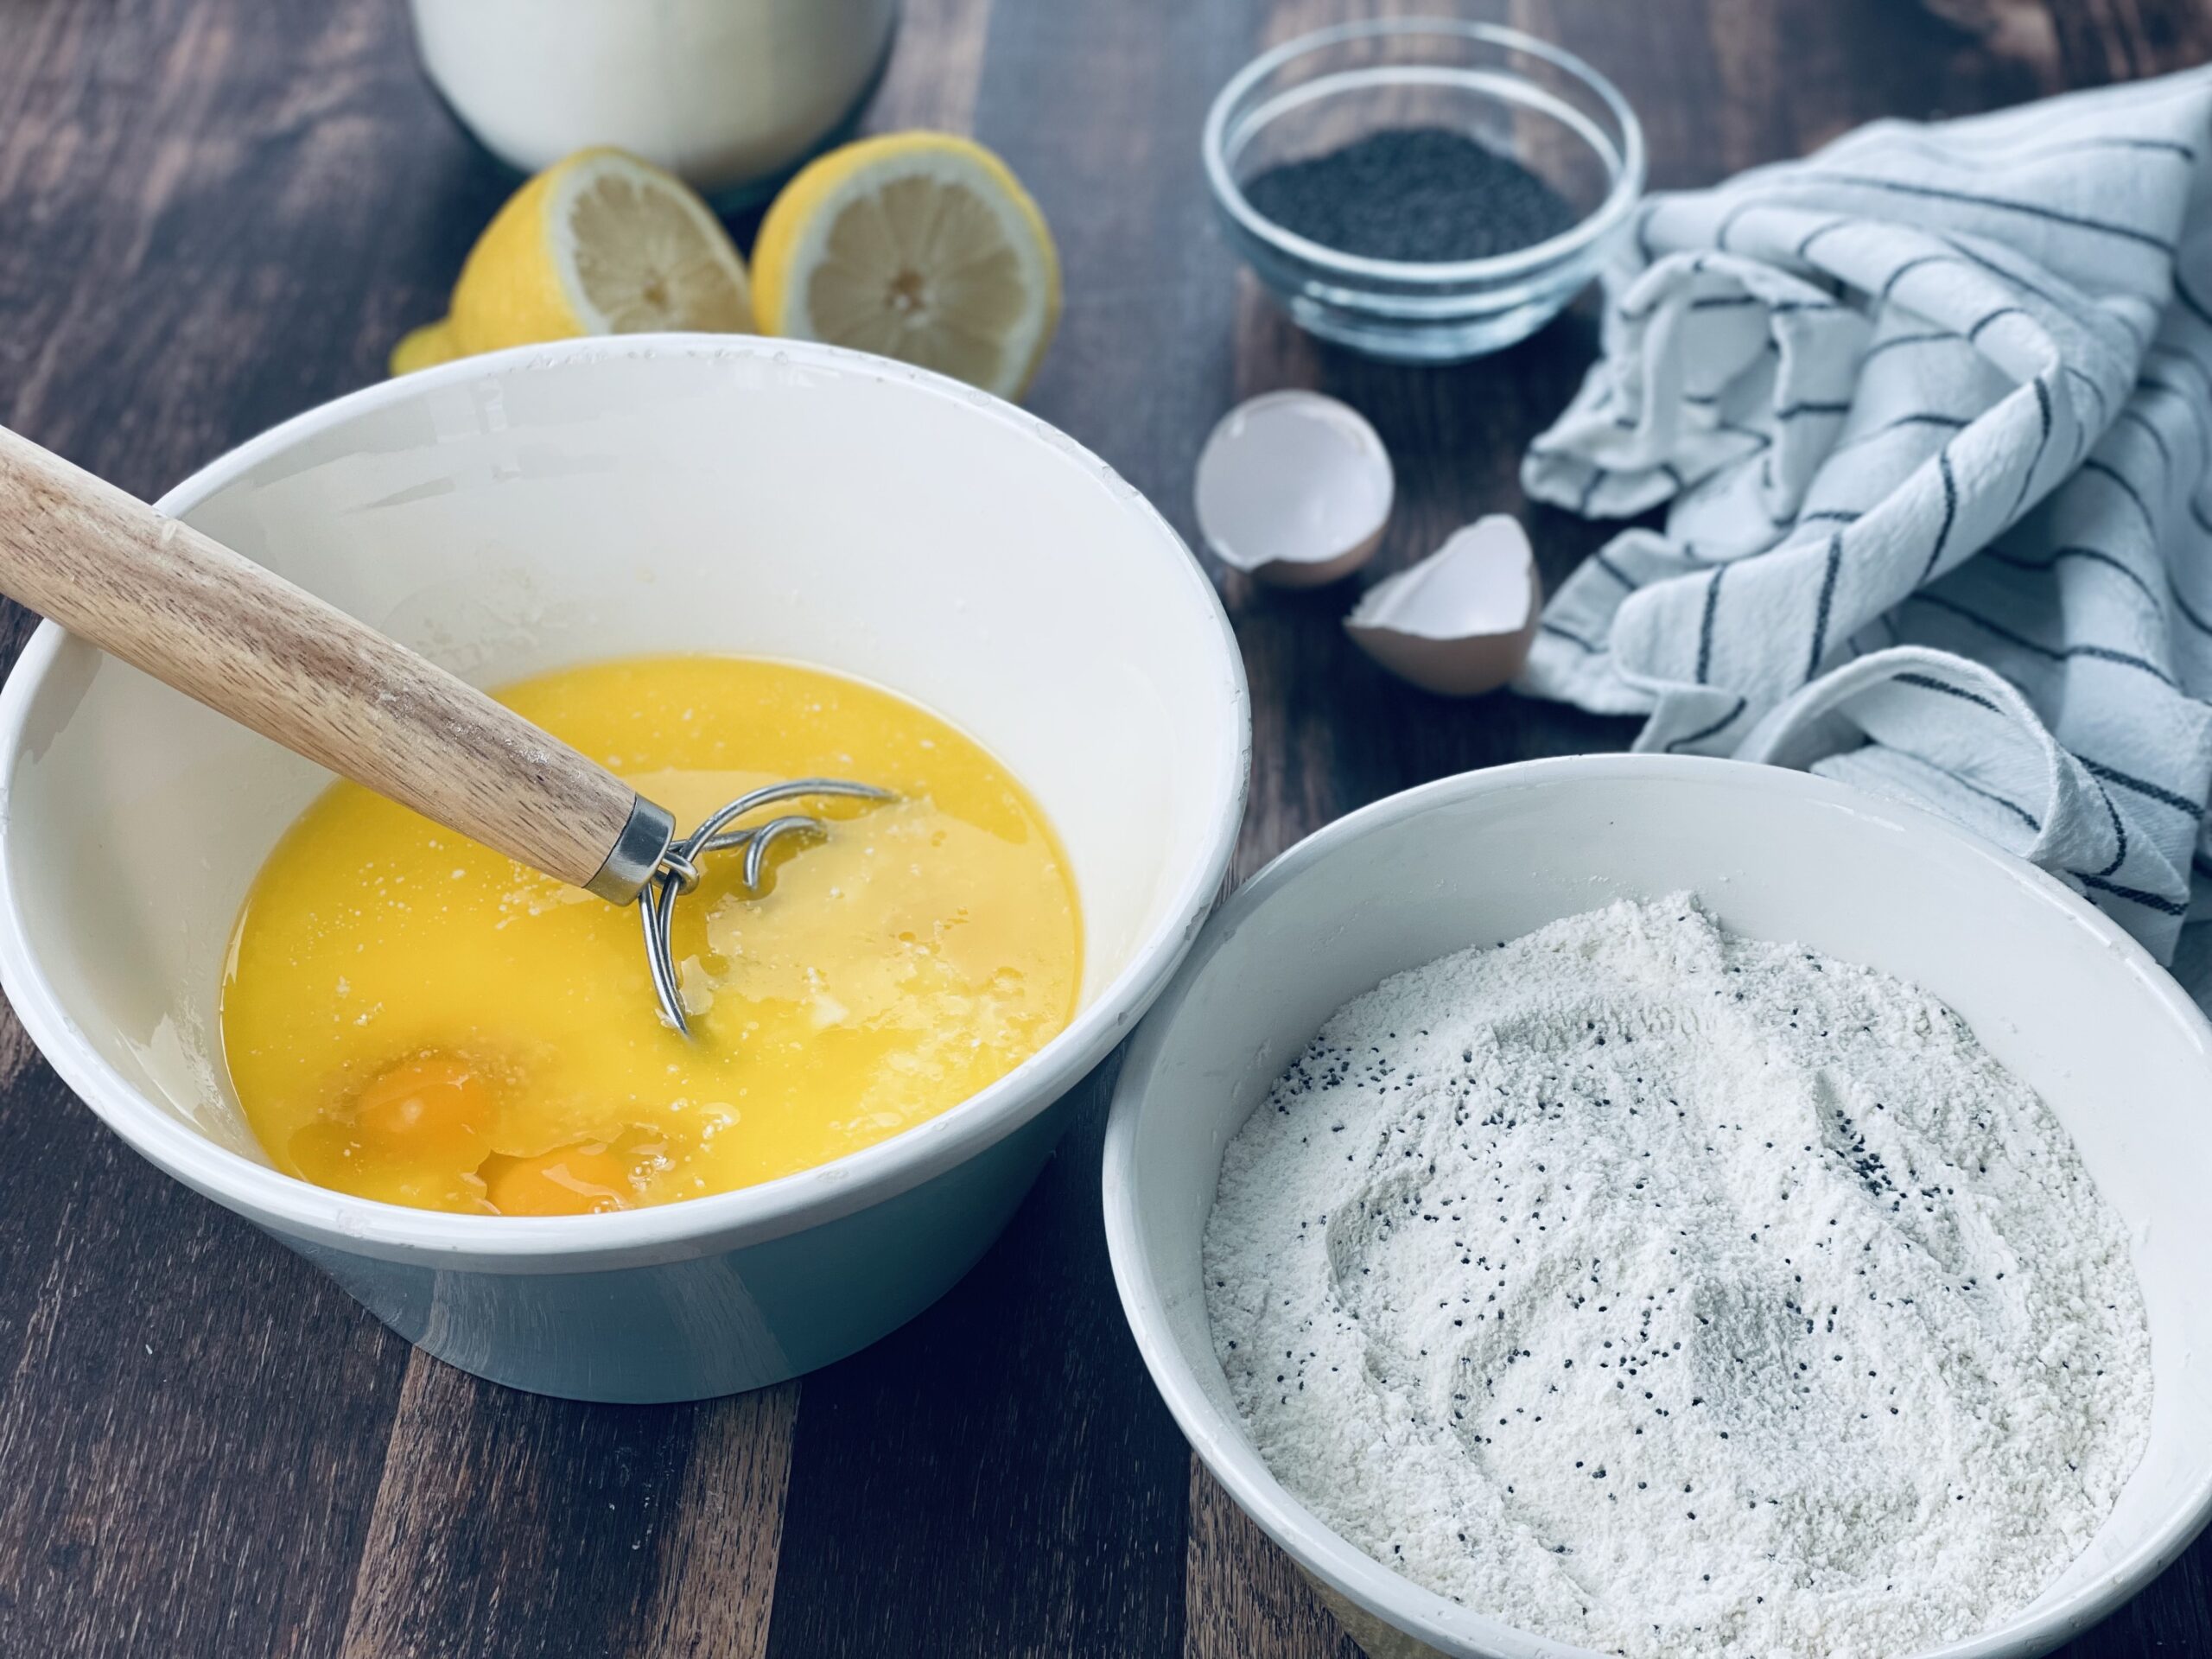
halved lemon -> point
(917, 245)
(600, 244)
(424, 348)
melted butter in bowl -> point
(411, 1017)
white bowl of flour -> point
(1751, 1218)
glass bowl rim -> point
(1619, 200)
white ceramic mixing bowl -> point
(515, 513)
(2051, 987)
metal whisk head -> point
(677, 873)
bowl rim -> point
(1408, 1608)
(1627, 186)
(695, 1226)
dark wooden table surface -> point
(216, 212)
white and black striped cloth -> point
(1933, 410)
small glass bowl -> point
(1523, 96)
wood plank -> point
(716, 1577)
(935, 72)
(997, 1478)
(509, 1524)
(2099, 40)
(1000, 1478)
(1332, 732)
(191, 1422)
(225, 219)
(191, 1419)
(1248, 1600)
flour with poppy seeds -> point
(1670, 1293)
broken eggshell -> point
(1294, 488)
(1461, 622)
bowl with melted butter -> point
(708, 564)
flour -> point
(1673, 1294)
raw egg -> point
(411, 1017)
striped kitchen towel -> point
(1931, 412)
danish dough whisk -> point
(259, 650)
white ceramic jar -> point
(731, 94)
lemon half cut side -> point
(916, 245)
(600, 244)
(639, 253)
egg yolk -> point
(435, 1108)
(411, 1017)
(574, 1180)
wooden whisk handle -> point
(250, 646)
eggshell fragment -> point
(1294, 488)
(1461, 622)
